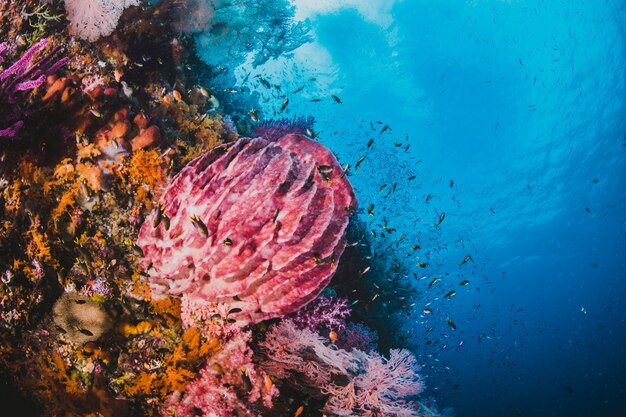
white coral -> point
(91, 19)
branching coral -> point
(356, 383)
(263, 29)
(23, 75)
(229, 385)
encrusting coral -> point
(81, 319)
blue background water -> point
(522, 105)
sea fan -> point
(356, 383)
(91, 19)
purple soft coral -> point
(326, 312)
(23, 75)
(275, 128)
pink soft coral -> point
(228, 385)
(375, 386)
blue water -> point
(522, 105)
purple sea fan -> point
(326, 312)
(257, 224)
(275, 128)
(25, 74)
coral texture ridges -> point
(257, 224)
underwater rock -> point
(257, 224)
(82, 319)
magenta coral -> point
(258, 225)
(25, 74)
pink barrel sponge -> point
(257, 224)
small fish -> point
(433, 282)
(442, 216)
(284, 105)
(382, 188)
(275, 216)
(315, 100)
(234, 310)
(451, 183)
(375, 296)
(595, 181)
(422, 264)
(466, 260)
(411, 178)
(245, 379)
(365, 271)
(95, 113)
(450, 294)
(370, 209)
(297, 90)
(83, 331)
(358, 163)
(384, 129)
(492, 210)
(299, 411)
(158, 216)
(415, 248)
(464, 283)
(325, 171)
(427, 311)
(228, 242)
(265, 83)
(337, 99)
(451, 324)
(310, 133)
(370, 143)
(254, 115)
(587, 209)
(199, 225)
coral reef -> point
(152, 258)
(258, 225)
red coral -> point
(258, 225)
